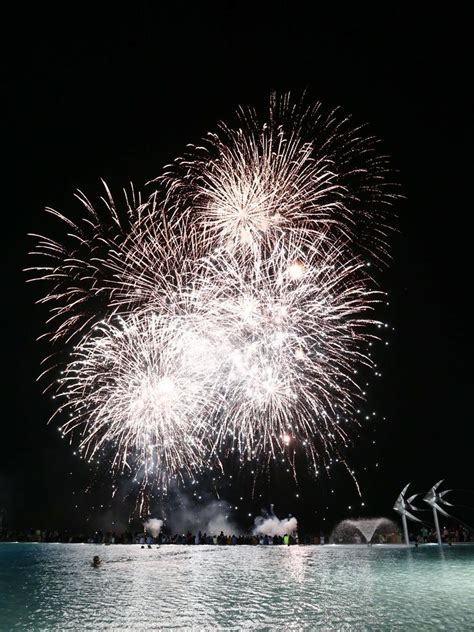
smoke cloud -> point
(274, 526)
(153, 526)
(210, 517)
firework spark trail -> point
(277, 344)
(152, 266)
(114, 262)
(75, 270)
(141, 385)
(230, 311)
(302, 170)
(295, 322)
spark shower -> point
(227, 311)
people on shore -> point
(454, 534)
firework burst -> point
(294, 325)
(230, 310)
(75, 268)
(143, 386)
(302, 169)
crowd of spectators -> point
(449, 535)
(141, 537)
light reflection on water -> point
(54, 587)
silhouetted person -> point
(96, 561)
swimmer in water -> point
(96, 561)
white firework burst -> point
(296, 324)
(231, 310)
(143, 387)
(78, 281)
(303, 169)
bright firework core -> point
(229, 312)
(296, 270)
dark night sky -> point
(118, 96)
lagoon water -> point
(54, 587)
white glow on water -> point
(357, 587)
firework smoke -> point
(272, 526)
(153, 526)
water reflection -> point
(54, 587)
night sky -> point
(118, 95)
